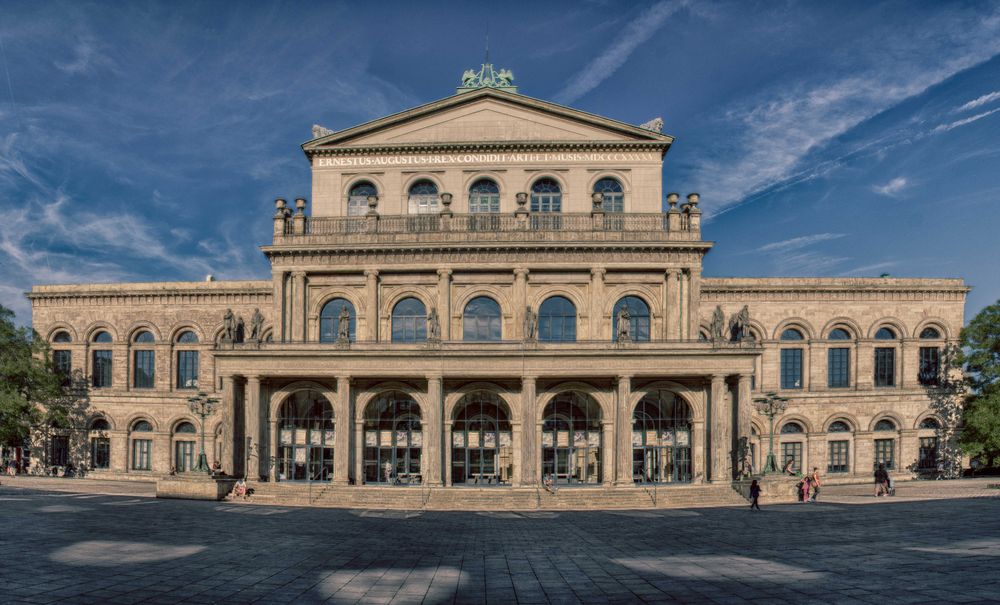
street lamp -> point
(202, 406)
(771, 405)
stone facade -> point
(422, 327)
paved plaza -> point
(935, 542)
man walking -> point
(814, 482)
(881, 481)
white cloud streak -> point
(891, 188)
(979, 101)
(964, 121)
(796, 243)
(607, 63)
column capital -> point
(298, 274)
(227, 378)
(371, 273)
(718, 378)
(521, 271)
(435, 377)
(529, 378)
(252, 378)
(672, 272)
(623, 377)
(344, 378)
(444, 272)
(745, 377)
(598, 271)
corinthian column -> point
(721, 433)
(252, 419)
(623, 432)
(342, 432)
(431, 428)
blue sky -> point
(147, 141)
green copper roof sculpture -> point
(487, 77)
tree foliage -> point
(31, 391)
(980, 358)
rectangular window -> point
(59, 450)
(484, 203)
(928, 454)
(838, 368)
(145, 370)
(142, 454)
(791, 451)
(930, 365)
(791, 368)
(838, 457)
(885, 367)
(63, 363)
(101, 372)
(885, 453)
(100, 452)
(187, 369)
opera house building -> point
(495, 291)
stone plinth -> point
(201, 487)
(774, 489)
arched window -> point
(423, 197)
(638, 313)
(144, 337)
(102, 362)
(481, 320)
(930, 333)
(614, 196)
(306, 432)
(187, 361)
(839, 334)
(885, 445)
(61, 337)
(484, 197)
(661, 439)
(409, 321)
(393, 440)
(102, 337)
(357, 198)
(557, 320)
(791, 334)
(481, 441)
(187, 337)
(790, 428)
(885, 425)
(100, 424)
(142, 446)
(838, 361)
(144, 362)
(546, 196)
(839, 426)
(185, 427)
(885, 334)
(571, 439)
(930, 423)
(329, 321)
(100, 444)
(184, 444)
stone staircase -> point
(494, 499)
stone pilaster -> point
(623, 432)
(698, 455)
(672, 305)
(255, 467)
(744, 402)
(720, 432)
(597, 302)
(228, 411)
(693, 298)
(344, 417)
(272, 467)
(530, 459)
(520, 299)
(372, 307)
(444, 302)
(298, 306)
(431, 426)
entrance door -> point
(184, 456)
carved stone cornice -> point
(490, 146)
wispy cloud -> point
(891, 188)
(979, 101)
(964, 121)
(870, 269)
(796, 243)
(86, 56)
(607, 63)
(791, 256)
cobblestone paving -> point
(75, 547)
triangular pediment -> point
(487, 116)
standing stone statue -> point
(240, 331)
(624, 325)
(530, 324)
(344, 325)
(718, 324)
(228, 326)
(739, 325)
(256, 325)
(433, 326)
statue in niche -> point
(228, 326)
(530, 324)
(739, 325)
(718, 324)
(344, 325)
(256, 325)
(240, 331)
(433, 325)
(624, 325)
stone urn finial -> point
(280, 205)
(300, 206)
(672, 201)
(693, 199)
(597, 198)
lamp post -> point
(771, 405)
(202, 406)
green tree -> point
(980, 359)
(32, 392)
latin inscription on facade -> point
(482, 158)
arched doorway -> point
(305, 437)
(661, 439)
(571, 439)
(481, 443)
(393, 440)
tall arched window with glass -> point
(330, 320)
(481, 320)
(661, 439)
(393, 440)
(929, 373)
(557, 320)
(481, 441)
(791, 360)
(184, 444)
(142, 446)
(423, 197)
(838, 361)
(571, 439)
(885, 359)
(885, 443)
(102, 361)
(546, 204)
(613, 194)
(306, 432)
(791, 450)
(187, 360)
(357, 198)
(100, 444)
(62, 359)
(638, 318)
(484, 197)
(143, 361)
(409, 321)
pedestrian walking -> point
(814, 483)
(754, 495)
(804, 489)
(881, 481)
